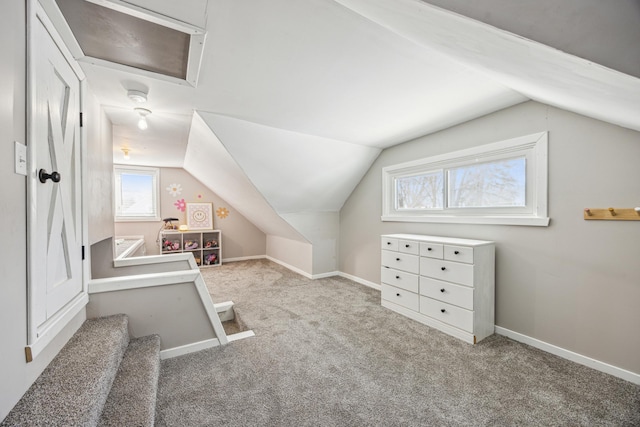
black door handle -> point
(44, 176)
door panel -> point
(55, 223)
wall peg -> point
(615, 214)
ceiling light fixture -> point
(137, 96)
(142, 123)
(126, 153)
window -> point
(500, 183)
(136, 193)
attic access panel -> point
(114, 32)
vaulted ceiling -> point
(302, 96)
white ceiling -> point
(302, 96)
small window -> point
(136, 194)
(500, 183)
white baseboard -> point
(360, 280)
(570, 355)
(188, 348)
(290, 267)
(325, 275)
(243, 258)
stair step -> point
(132, 400)
(73, 389)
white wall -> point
(100, 167)
(322, 229)
(294, 254)
(574, 284)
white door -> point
(55, 184)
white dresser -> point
(446, 283)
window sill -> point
(492, 220)
(137, 219)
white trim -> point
(214, 319)
(188, 348)
(202, 345)
(570, 355)
(243, 258)
(154, 173)
(122, 283)
(52, 327)
(131, 249)
(496, 220)
(533, 147)
(290, 267)
(325, 275)
(156, 259)
(241, 335)
(361, 281)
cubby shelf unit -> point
(205, 245)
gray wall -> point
(606, 32)
(574, 284)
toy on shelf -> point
(170, 245)
(190, 245)
(210, 259)
(211, 244)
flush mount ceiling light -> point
(137, 96)
(142, 123)
(126, 153)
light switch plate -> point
(21, 158)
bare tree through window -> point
(498, 183)
(423, 191)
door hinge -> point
(83, 252)
(81, 119)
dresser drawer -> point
(399, 279)
(447, 313)
(431, 250)
(462, 296)
(400, 261)
(389, 244)
(458, 253)
(409, 247)
(447, 270)
(401, 297)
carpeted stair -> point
(100, 377)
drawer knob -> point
(456, 252)
(406, 246)
(397, 295)
(388, 243)
(397, 277)
(397, 259)
(428, 249)
(443, 268)
(442, 310)
(442, 290)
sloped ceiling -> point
(326, 171)
(302, 95)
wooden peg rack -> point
(613, 214)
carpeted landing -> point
(327, 354)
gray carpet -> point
(327, 354)
(73, 389)
(132, 399)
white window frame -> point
(155, 174)
(533, 147)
